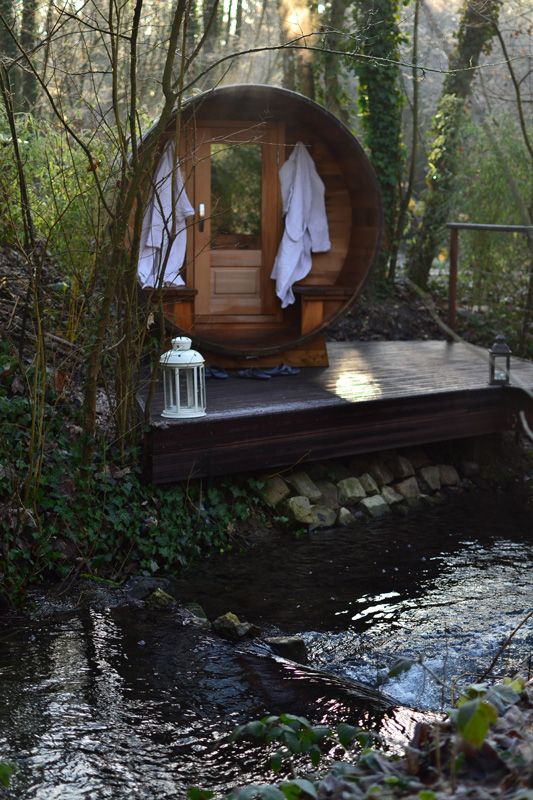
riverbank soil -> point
(399, 316)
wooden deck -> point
(373, 396)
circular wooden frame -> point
(353, 206)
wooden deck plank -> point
(373, 396)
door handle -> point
(201, 215)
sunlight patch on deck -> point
(357, 386)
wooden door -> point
(238, 222)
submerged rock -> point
(431, 476)
(369, 484)
(448, 475)
(160, 599)
(142, 586)
(345, 518)
(351, 491)
(305, 486)
(390, 496)
(275, 490)
(300, 510)
(230, 626)
(291, 647)
(198, 616)
(375, 506)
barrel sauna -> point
(231, 143)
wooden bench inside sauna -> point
(232, 142)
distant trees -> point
(381, 98)
(476, 29)
(18, 35)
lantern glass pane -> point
(500, 368)
(191, 393)
(201, 387)
(169, 388)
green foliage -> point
(7, 770)
(380, 102)
(100, 519)
(64, 204)
(493, 267)
(473, 720)
(442, 168)
(480, 706)
(399, 667)
(295, 736)
(200, 794)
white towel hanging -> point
(160, 221)
(306, 223)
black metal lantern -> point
(499, 362)
(183, 380)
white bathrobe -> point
(306, 224)
(158, 223)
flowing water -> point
(103, 698)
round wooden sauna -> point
(232, 143)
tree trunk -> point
(288, 60)
(333, 89)
(475, 30)
(381, 101)
(8, 47)
(297, 22)
(407, 193)
(29, 87)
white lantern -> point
(183, 380)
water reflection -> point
(119, 702)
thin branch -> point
(516, 84)
(60, 116)
(293, 45)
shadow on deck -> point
(373, 396)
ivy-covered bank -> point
(59, 519)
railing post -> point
(452, 290)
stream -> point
(102, 697)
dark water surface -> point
(104, 700)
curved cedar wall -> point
(353, 202)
